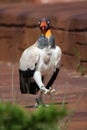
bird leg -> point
(38, 79)
(39, 100)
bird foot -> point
(51, 90)
(38, 103)
(47, 91)
(44, 90)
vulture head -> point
(44, 25)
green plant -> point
(47, 117)
(80, 68)
(13, 117)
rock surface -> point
(69, 19)
(70, 88)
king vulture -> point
(40, 63)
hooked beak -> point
(43, 27)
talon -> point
(52, 90)
(47, 91)
(44, 90)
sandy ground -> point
(69, 85)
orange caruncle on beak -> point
(43, 27)
(43, 24)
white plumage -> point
(39, 65)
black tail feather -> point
(22, 82)
(26, 86)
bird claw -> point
(47, 91)
(52, 90)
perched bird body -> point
(40, 63)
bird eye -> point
(39, 22)
(48, 21)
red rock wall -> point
(15, 1)
(70, 21)
(37, 1)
